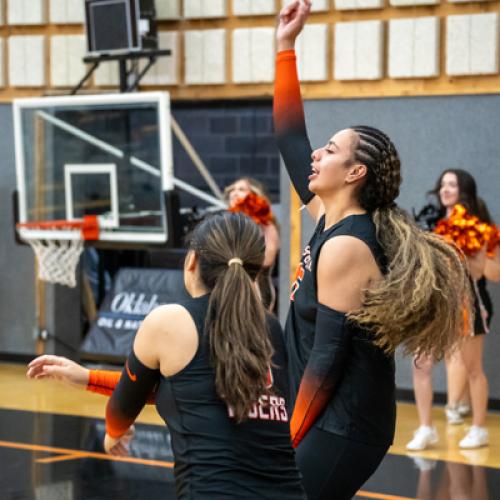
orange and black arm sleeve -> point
(323, 370)
(136, 383)
(104, 382)
(290, 125)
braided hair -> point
(375, 150)
(419, 303)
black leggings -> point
(333, 467)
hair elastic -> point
(234, 260)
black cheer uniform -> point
(216, 458)
(482, 300)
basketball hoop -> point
(58, 245)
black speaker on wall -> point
(120, 26)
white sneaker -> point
(424, 464)
(464, 410)
(423, 437)
(453, 415)
(475, 438)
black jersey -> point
(485, 297)
(215, 457)
(363, 406)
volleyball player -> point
(214, 366)
(369, 280)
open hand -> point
(291, 21)
(58, 368)
(119, 447)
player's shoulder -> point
(166, 313)
(343, 250)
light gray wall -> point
(17, 299)
(17, 302)
(431, 134)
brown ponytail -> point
(230, 249)
(420, 302)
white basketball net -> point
(57, 260)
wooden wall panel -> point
(438, 82)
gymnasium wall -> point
(225, 48)
(370, 54)
(234, 138)
(17, 298)
(431, 134)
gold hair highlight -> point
(424, 301)
(420, 302)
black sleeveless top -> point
(484, 296)
(215, 457)
(363, 406)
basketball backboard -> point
(105, 155)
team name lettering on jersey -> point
(306, 263)
(268, 407)
(297, 280)
(271, 408)
(306, 258)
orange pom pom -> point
(256, 207)
(492, 240)
(467, 231)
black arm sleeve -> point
(323, 370)
(131, 394)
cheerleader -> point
(249, 196)
(466, 222)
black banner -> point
(133, 295)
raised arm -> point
(345, 268)
(288, 111)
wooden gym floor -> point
(50, 449)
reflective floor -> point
(415, 477)
(58, 456)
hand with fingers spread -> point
(58, 368)
(291, 22)
(119, 447)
